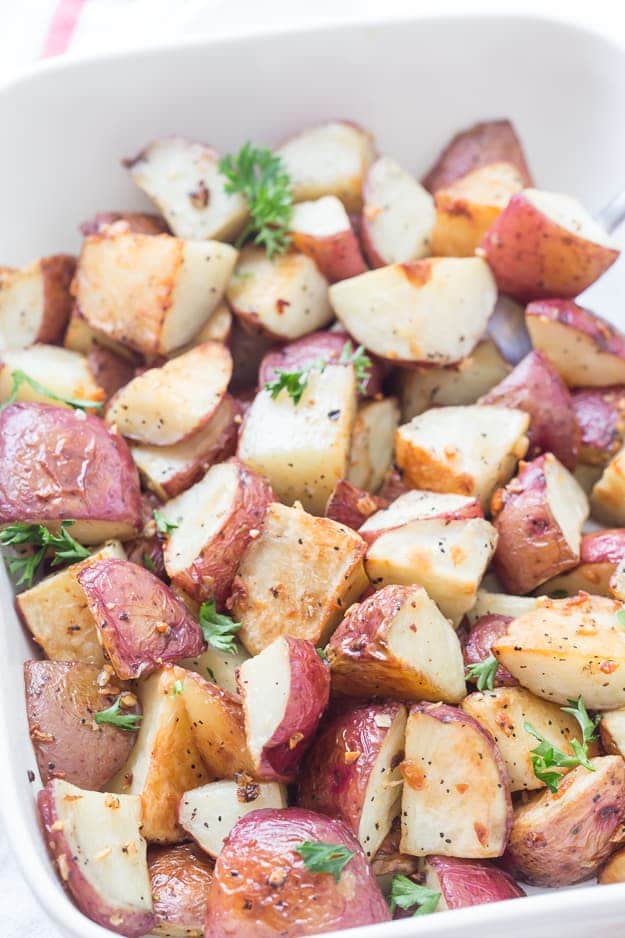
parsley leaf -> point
(177, 688)
(148, 563)
(320, 857)
(322, 654)
(483, 673)
(361, 362)
(163, 526)
(24, 568)
(620, 617)
(19, 377)
(293, 382)
(113, 716)
(546, 757)
(218, 630)
(260, 176)
(405, 893)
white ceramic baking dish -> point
(64, 127)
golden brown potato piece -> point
(180, 877)
(35, 301)
(322, 230)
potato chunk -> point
(608, 495)
(371, 451)
(35, 301)
(65, 373)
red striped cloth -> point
(62, 27)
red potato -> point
(539, 518)
(322, 230)
(536, 387)
(612, 732)
(170, 470)
(214, 522)
(63, 373)
(62, 698)
(562, 838)
(137, 222)
(373, 436)
(81, 337)
(284, 691)
(500, 604)
(478, 646)
(297, 578)
(352, 771)
(484, 143)
(57, 463)
(397, 217)
(209, 813)
(584, 348)
(431, 311)
(318, 346)
(182, 178)
(285, 297)
(150, 292)
(467, 207)
(456, 798)
(140, 622)
(599, 556)
(110, 371)
(545, 244)
(600, 414)
(329, 159)
(418, 505)
(169, 404)
(463, 883)
(248, 345)
(97, 846)
(388, 860)
(425, 386)
(466, 450)
(180, 878)
(607, 498)
(351, 506)
(397, 643)
(275, 894)
(218, 666)
(616, 586)
(393, 485)
(35, 301)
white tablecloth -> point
(89, 25)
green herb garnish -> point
(406, 894)
(114, 717)
(325, 858)
(361, 362)
(547, 757)
(218, 629)
(66, 549)
(322, 654)
(19, 378)
(148, 563)
(620, 617)
(483, 673)
(177, 688)
(293, 382)
(163, 526)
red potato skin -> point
(474, 510)
(532, 257)
(337, 256)
(478, 645)
(603, 546)
(133, 924)
(607, 338)
(212, 573)
(308, 698)
(325, 346)
(393, 485)
(55, 464)
(58, 272)
(600, 414)
(488, 142)
(110, 371)
(472, 882)
(521, 515)
(273, 892)
(61, 699)
(137, 222)
(330, 784)
(141, 623)
(181, 877)
(351, 506)
(537, 388)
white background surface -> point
(106, 24)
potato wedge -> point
(65, 373)
(180, 878)
(165, 761)
(463, 883)
(322, 230)
(297, 578)
(95, 840)
(35, 301)
(209, 813)
(397, 643)
(599, 556)
(351, 506)
(218, 666)
(600, 414)
(373, 435)
(612, 731)
(562, 838)
(438, 308)
(152, 293)
(467, 450)
(607, 499)
(455, 785)
(567, 647)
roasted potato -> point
(612, 732)
(322, 230)
(462, 883)
(371, 450)
(478, 645)
(218, 666)
(65, 374)
(600, 414)
(600, 553)
(607, 498)
(110, 371)
(350, 505)
(180, 878)
(613, 870)
(139, 222)
(500, 604)
(35, 301)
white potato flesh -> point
(373, 436)
(581, 358)
(569, 213)
(152, 293)
(501, 604)
(608, 495)
(303, 449)
(617, 582)
(266, 692)
(166, 405)
(382, 800)
(567, 647)
(468, 450)
(612, 728)
(65, 373)
(320, 219)
(183, 180)
(209, 813)
(81, 337)
(217, 328)
(101, 834)
(297, 578)
(286, 297)
(21, 305)
(455, 798)
(567, 502)
(398, 215)
(330, 159)
(217, 666)
(447, 558)
(432, 311)
(504, 711)
(464, 383)
(417, 505)
(57, 615)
